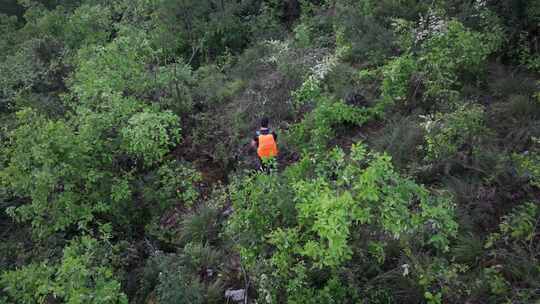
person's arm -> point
(255, 142)
(275, 136)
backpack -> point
(267, 146)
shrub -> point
(446, 55)
(529, 164)
(201, 226)
(149, 135)
(316, 130)
(362, 194)
(212, 87)
(370, 38)
(87, 25)
(516, 252)
(119, 67)
(401, 138)
(446, 134)
(178, 182)
(83, 275)
(189, 277)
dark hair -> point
(264, 122)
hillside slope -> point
(409, 138)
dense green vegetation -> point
(409, 134)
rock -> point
(228, 211)
(235, 295)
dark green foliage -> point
(189, 277)
(401, 138)
(202, 226)
(11, 8)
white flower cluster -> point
(429, 122)
(480, 4)
(430, 25)
(323, 67)
(280, 48)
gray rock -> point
(236, 295)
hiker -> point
(265, 142)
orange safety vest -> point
(267, 146)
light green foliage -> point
(316, 130)
(397, 76)
(83, 165)
(330, 218)
(50, 173)
(119, 67)
(447, 133)
(445, 55)
(28, 285)
(345, 196)
(131, 66)
(150, 135)
(36, 61)
(262, 203)
(80, 277)
(458, 50)
(433, 298)
(308, 91)
(65, 172)
(178, 182)
(496, 282)
(87, 25)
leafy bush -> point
(529, 164)
(82, 276)
(316, 130)
(30, 284)
(119, 67)
(87, 25)
(515, 249)
(446, 55)
(213, 88)
(189, 277)
(54, 171)
(178, 181)
(446, 134)
(362, 193)
(36, 70)
(150, 135)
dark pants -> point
(267, 165)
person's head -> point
(264, 122)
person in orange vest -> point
(265, 141)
